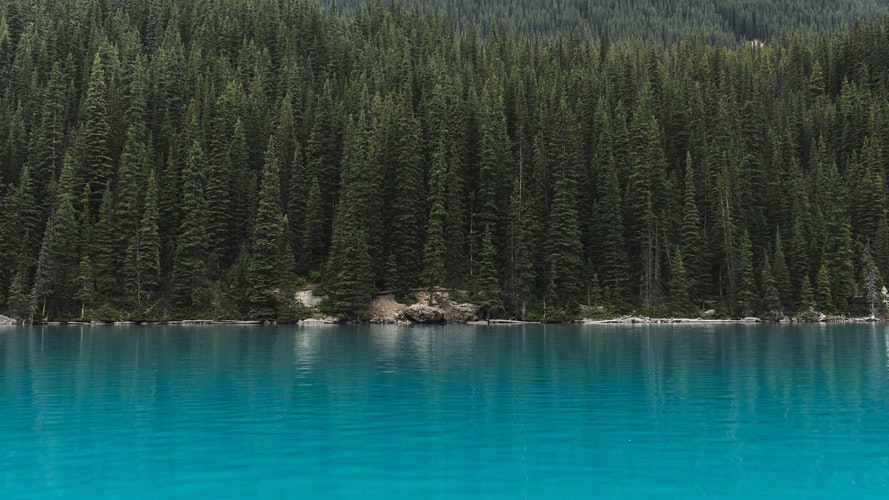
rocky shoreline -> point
(440, 309)
(709, 321)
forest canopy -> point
(206, 157)
(729, 22)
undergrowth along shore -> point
(439, 307)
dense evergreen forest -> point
(206, 157)
(663, 21)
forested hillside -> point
(663, 21)
(205, 157)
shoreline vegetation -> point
(440, 309)
(625, 320)
(214, 160)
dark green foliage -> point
(435, 248)
(96, 149)
(268, 240)
(726, 22)
(746, 281)
(144, 266)
(348, 278)
(190, 260)
(781, 273)
(409, 203)
(489, 279)
(535, 174)
(680, 285)
(871, 281)
(823, 290)
(313, 244)
(771, 302)
(610, 243)
(564, 250)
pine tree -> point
(679, 284)
(645, 178)
(771, 302)
(242, 190)
(823, 290)
(189, 262)
(840, 263)
(489, 278)
(98, 166)
(871, 281)
(495, 160)
(690, 237)
(132, 179)
(268, 234)
(314, 247)
(746, 282)
(106, 250)
(86, 286)
(143, 264)
(323, 152)
(524, 231)
(21, 224)
(435, 247)
(780, 272)
(348, 278)
(48, 140)
(220, 220)
(62, 250)
(798, 258)
(614, 271)
(409, 203)
(563, 231)
(296, 205)
(807, 294)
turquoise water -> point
(445, 412)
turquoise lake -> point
(445, 412)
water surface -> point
(445, 412)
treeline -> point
(729, 22)
(206, 157)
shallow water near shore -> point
(445, 412)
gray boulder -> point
(459, 313)
(419, 313)
(7, 321)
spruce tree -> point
(409, 203)
(563, 232)
(495, 159)
(614, 270)
(190, 259)
(747, 295)
(98, 166)
(143, 266)
(106, 250)
(807, 294)
(781, 273)
(435, 247)
(679, 284)
(645, 178)
(525, 232)
(823, 290)
(348, 277)
(242, 189)
(63, 248)
(690, 235)
(798, 259)
(489, 278)
(871, 281)
(771, 302)
(314, 247)
(268, 234)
